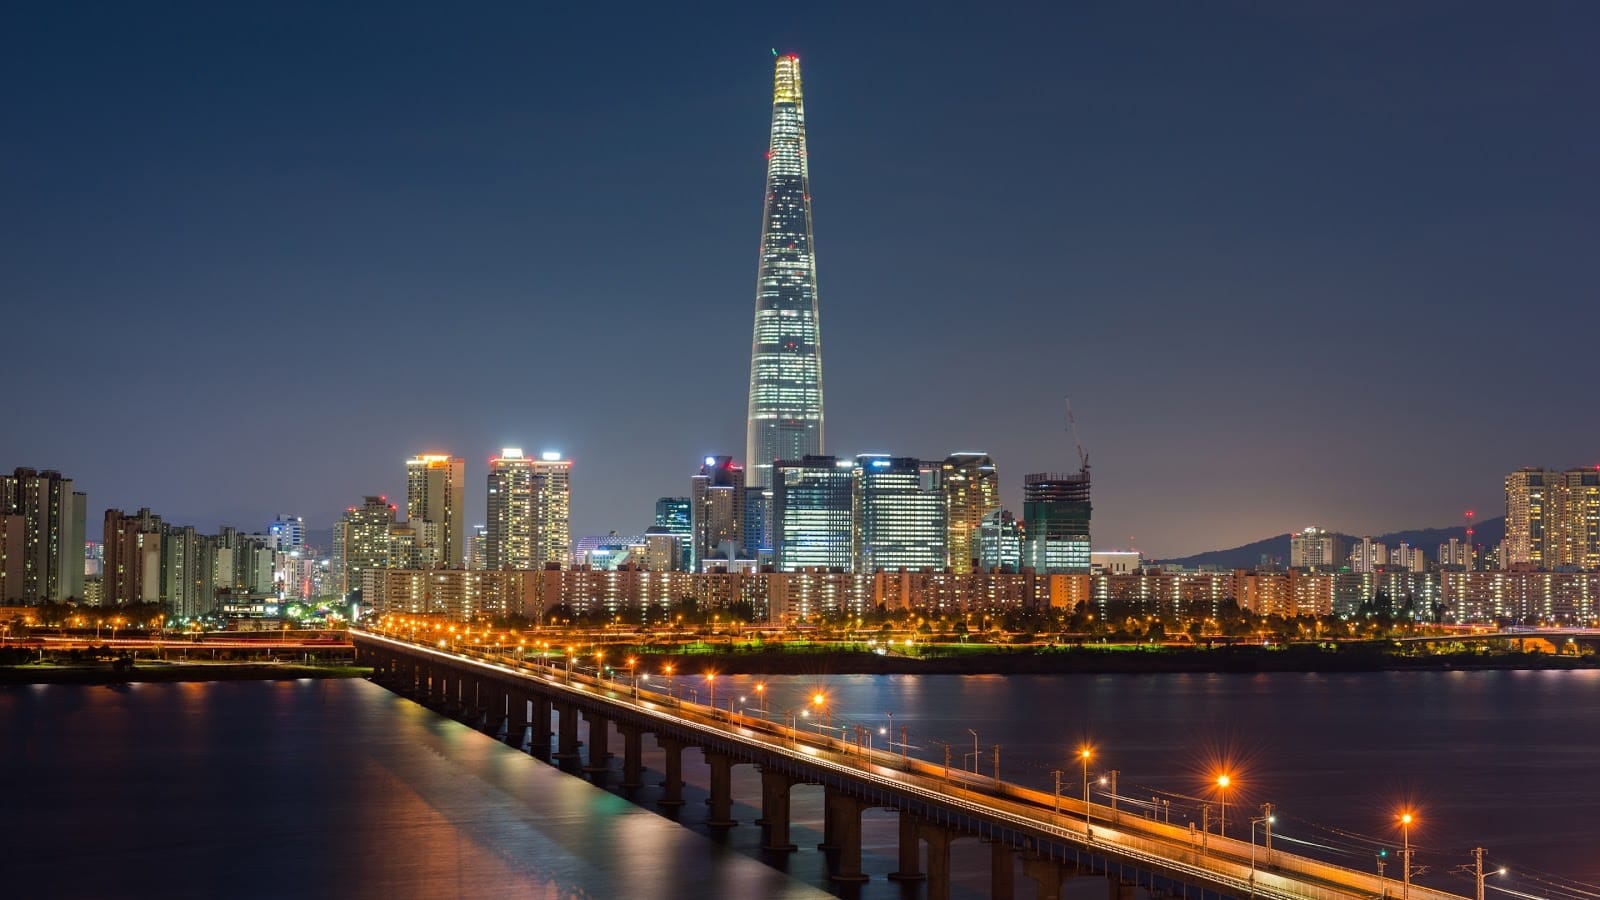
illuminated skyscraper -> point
(813, 520)
(899, 515)
(508, 543)
(434, 486)
(785, 420)
(552, 525)
(971, 487)
(716, 511)
(1529, 497)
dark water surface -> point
(319, 788)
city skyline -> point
(1253, 309)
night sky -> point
(1304, 262)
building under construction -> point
(1055, 513)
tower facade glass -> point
(813, 513)
(971, 485)
(900, 515)
(1055, 513)
(785, 418)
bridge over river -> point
(1048, 837)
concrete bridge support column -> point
(672, 781)
(721, 790)
(1047, 875)
(938, 839)
(566, 731)
(540, 720)
(599, 740)
(775, 810)
(632, 756)
(910, 851)
(846, 815)
(517, 720)
(1002, 872)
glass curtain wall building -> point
(900, 515)
(1055, 514)
(813, 513)
(785, 412)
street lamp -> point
(1266, 819)
(1405, 855)
(711, 683)
(975, 751)
(761, 698)
(633, 675)
(1222, 791)
(1084, 755)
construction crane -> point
(1072, 429)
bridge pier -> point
(599, 739)
(775, 810)
(517, 721)
(539, 740)
(721, 790)
(632, 755)
(1002, 872)
(566, 731)
(672, 780)
(1047, 876)
(910, 851)
(1120, 890)
(845, 812)
(938, 839)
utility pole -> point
(1477, 857)
(996, 763)
(1266, 814)
(946, 762)
(1058, 792)
(904, 747)
(1115, 817)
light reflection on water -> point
(319, 788)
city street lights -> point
(1266, 819)
(1084, 755)
(761, 698)
(1477, 856)
(1222, 791)
(1405, 855)
(672, 684)
(711, 685)
(975, 750)
(633, 675)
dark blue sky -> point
(1294, 262)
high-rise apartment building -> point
(435, 486)
(971, 486)
(716, 511)
(900, 516)
(365, 539)
(1577, 517)
(1055, 514)
(509, 540)
(1314, 548)
(1529, 496)
(785, 409)
(133, 557)
(1456, 554)
(48, 533)
(813, 503)
(552, 534)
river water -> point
(340, 788)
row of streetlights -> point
(1224, 781)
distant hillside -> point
(1486, 533)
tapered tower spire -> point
(785, 419)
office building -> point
(971, 486)
(899, 515)
(999, 542)
(289, 532)
(674, 515)
(813, 513)
(716, 512)
(1055, 514)
(366, 538)
(785, 408)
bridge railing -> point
(1171, 847)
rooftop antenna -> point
(1072, 428)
